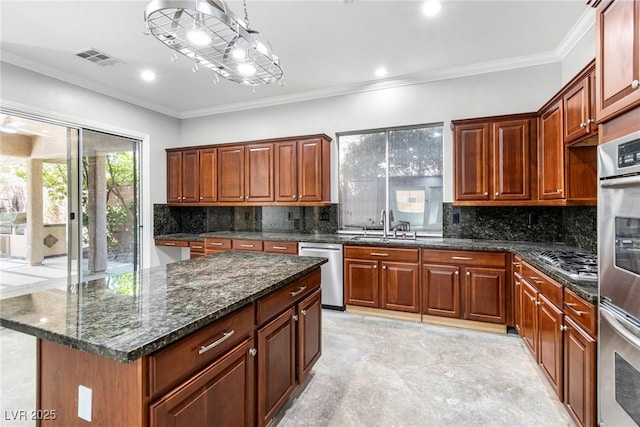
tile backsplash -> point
(294, 219)
(575, 225)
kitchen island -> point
(223, 339)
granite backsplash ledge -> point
(196, 220)
(573, 225)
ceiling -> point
(327, 48)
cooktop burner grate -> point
(577, 265)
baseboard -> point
(391, 314)
(468, 324)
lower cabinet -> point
(550, 327)
(481, 293)
(384, 278)
(579, 374)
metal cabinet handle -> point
(241, 197)
(294, 196)
(497, 193)
(280, 248)
(457, 273)
(536, 279)
(577, 312)
(563, 328)
(517, 283)
(244, 245)
(253, 351)
(215, 244)
(169, 244)
(468, 273)
(299, 291)
(486, 193)
(635, 84)
(295, 317)
(532, 299)
(225, 336)
(375, 266)
(537, 302)
(384, 267)
(462, 258)
(196, 247)
(589, 121)
(583, 125)
(378, 254)
(304, 312)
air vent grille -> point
(99, 58)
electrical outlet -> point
(324, 216)
(289, 216)
(84, 402)
(532, 219)
(455, 218)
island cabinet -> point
(289, 343)
(384, 278)
(617, 57)
(495, 159)
(467, 285)
(196, 249)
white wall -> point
(583, 53)
(36, 94)
(515, 91)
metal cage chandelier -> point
(209, 34)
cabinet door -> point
(550, 341)
(190, 181)
(231, 174)
(517, 303)
(576, 111)
(222, 394)
(309, 334)
(512, 160)
(471, 156)
(209, 175)
(400, 287)
(551, 154)
(276, 365)
(484, 291)
(286, 172)
(617, 56)
(579, 374)
(441, 290)
(310, 171)
(529, 310)
(259, 173)
(174, 177)
(361, 282)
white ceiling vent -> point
(97, 57)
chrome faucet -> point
(383, 221)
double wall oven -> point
(619, 282)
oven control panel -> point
(629, 154)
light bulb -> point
(246, 69)
(198, 36)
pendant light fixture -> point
(209, 34)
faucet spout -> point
(383, 221)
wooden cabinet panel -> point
(172, 243)
(361, 282)
(285, 297)
(529, 317)
(551, 154)
(381, 253)
(482, 259)
(309, 333)
(196, 249)
(259, 173)
(576, 103)
(512, 160)
(222, 394)
(231, 174)
(579, 374)
(174, 177)
(617, 57)
(517, 302)
(208, 175)
(247, 245)
(276, 247)
(286, 172)
(310, 171)
(400, 287)
(276, 364)
(485, 299)
(190, 179)
(550, 341)
(441, 290)
(471, 154)
(581, 312)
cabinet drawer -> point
(217, 244)
(276, 302)
(517, 265)
(483, 259)
(174, 243)
(580, 311)
(382, 254)
(544, 285)
(197, 247)
(172, 365)
(247, 245)
(281, 247)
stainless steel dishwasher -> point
(332, 287)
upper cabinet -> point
(494, 158)
(288, 171)
(617, 57)
(551, 153)
(579, 108)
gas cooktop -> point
(576, 265)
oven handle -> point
(622, 327)
(626, 181)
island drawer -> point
(197, 247)
(172, 243)
(281, 247)
(549, 288)
(381, 253)
(247, 245)
(580, 311)
(483, 259)
(278, 301)
(217, 244)
(172, 365)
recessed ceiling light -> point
(148, 75)
(381, 72)
(431, 7)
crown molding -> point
(584, 24)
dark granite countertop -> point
(585, 289)
(127, 316)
